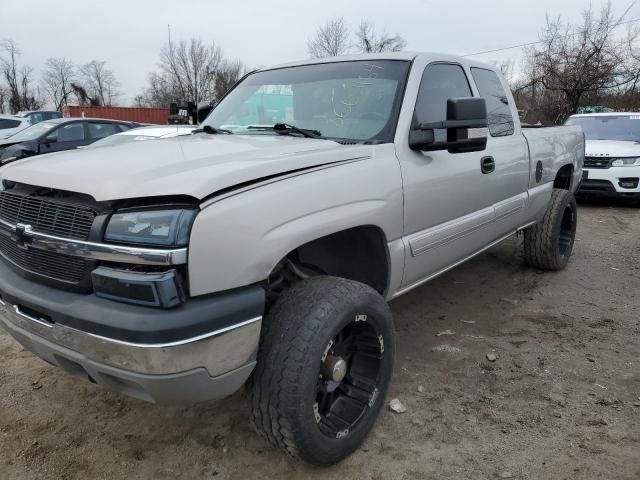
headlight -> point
(167, 228)
(626, 162)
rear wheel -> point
(324, 367)
(548, 244)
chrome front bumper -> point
(209, 366)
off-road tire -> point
(548, 244)
(295, 333)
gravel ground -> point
(561, 398)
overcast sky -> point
(129, 34)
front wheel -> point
(323, 370)
(548, 244)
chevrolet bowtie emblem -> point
(22, 236)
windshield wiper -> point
(286, 129)
(210, 129)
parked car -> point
(153, 132)
(10, 125)
(263, 247)
(612, 159)
(37, 116)
(57, 135)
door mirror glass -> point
(466, 127)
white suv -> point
(612, 156)
(10, 124)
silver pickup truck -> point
(263, 248)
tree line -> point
(186, 72)
(190, 71)
(193, 71)
(594, 62)
(591, 64)
(61, 82)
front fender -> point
(237, 240)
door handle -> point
(487, 165)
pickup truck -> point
(263, 248)
(612, 155)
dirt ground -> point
(562, 399)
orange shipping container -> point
(157, 116)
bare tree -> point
(99, 82)
(22, 93)
(227, 76)
(160, 92)
(4, 100)
(330, 39)
(370, 41)
(190, 69)
(82, 97)
(140, 101)
(57, 78)
(579, 64)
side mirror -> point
(204, 109)
(48, 139)
(52, 137)
(463, 114)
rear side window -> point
(123, 127)
(8, 123)
(101, 130)
(440, 82)
(498, 109)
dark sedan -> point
(57, 135)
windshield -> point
(609, 127)
(343, 100)
(33, 132)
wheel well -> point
(357, 253)
(563, 177)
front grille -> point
(53, 265)
(62, 214)
(54, 218)
(598, 162)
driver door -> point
(448, 199)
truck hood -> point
(611, 148)
(197, 165)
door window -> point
(73, 132)
(499, 114)
(440, 82)
(101, 130)
(8, 123)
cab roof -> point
(405, 56)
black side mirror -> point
(463, 114)
(48, 139)
(204, 109)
